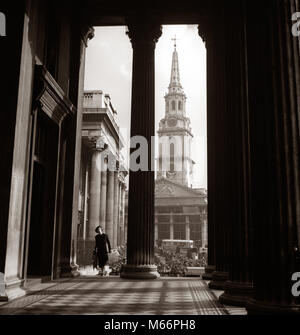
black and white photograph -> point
(150, 161)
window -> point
(172, 168)
(179, 231)
(160, 158)
(173, 105)
(180, 105)
(163, 231)
(195, 231)
(163, 218)
(179, 218)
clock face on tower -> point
(172, 122)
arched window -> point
(173, 105)
(180, 105)
(172, 168)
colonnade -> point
(106, 197)
(253, 153)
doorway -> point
(42, 196)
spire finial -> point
(175, 40)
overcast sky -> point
(108, 68)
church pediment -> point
(165, 188)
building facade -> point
(102, 176)
(180, 210)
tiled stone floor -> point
(87, 295)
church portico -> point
(102, 175)
(253, 207)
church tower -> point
(175, 134)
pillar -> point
(124, 217)
(187, 228)
(211, 78)
(110, 204)
(103, 195)
(95, 187)
(122, 223)
(119, 213)
(140, 237)
(171, 226)
(116, 210)
(217, 140)
(17, 71)
(156, 231)
(239, 287)
(66, 233)
(274, 105)
(86, 200)
(204, 240)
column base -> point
(13, 290)
(218, 280)
(236, 294)
(3, 296)
(139, 272)
(255, 307)
(209, 269)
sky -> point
(109, 68)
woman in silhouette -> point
(102, 248)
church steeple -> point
(175, 76)
(175, 132)
(175, 98)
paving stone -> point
(90, 295)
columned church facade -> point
(180, 209)
(102, 176)
(253, 107)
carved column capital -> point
(98, 144)
(87, 33)
(143, 32)
(210, 28)
(203, 30)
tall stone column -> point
(110, 204)
(103, 195)
(86, 200)
(274, 109)
(204, 240)
(140, 242)
(67, 226)
(187, 228)
(16, 86)
(216, 270)
(95, 188)
(116, 210)
(211, 78)
(119, 214)
(171, 226)
(156, 231)
(239, 287)
(123, 232)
